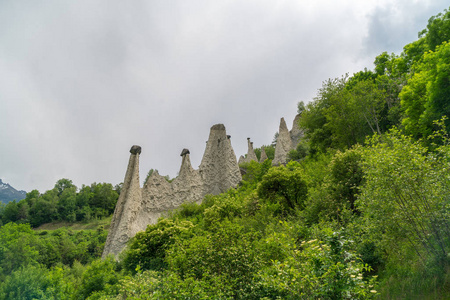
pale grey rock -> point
(296, 133)
(219, 168)
(251, 155)
(137, 208)
(188, 186)
(125, 223)
(250, 152)
(284, 144)
(263, 156)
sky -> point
(82, 81)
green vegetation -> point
(62, 203)
(362, 210)
(270, 151)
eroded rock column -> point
(123, 225)
(284, 144)
(263, 155)
(250, 152)
(219, 168)
(296, 133)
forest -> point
(361, 210)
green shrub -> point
(347, 175)
(26, 283)
(100, 275)
(284, 185)
(222, 258)
(148, 248)
(316, 269)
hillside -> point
(83, 225)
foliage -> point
(98, 276)
(255, 171)
(300, 152)
(426, 97)
(223, 254)
(405, 202)
(22, 248)
(147, 250)
(62, 203)
(318, 269)
(333, 194)
(284, 186)
(27, 283)
(17, 247)
(270, 151)
(409, 189)
(346, 110)
(347, 175)
(438, 30)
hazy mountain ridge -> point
(8, 193)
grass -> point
(82, 225)
(420, 285)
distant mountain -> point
(8, 193)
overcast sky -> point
(83, 81)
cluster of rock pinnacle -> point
(219, 170)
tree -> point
(438, 30)
(17, 247)
(104, 199)
(63, 184)
(67, 204)
(426, 97)
(284, 186)
(98, 276)
(347, 175)
(10, 212)
(314, 118)
(148, 249)
(45, 208)
(368, 101)
(405, 197)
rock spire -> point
(251, 155)
(124, 222)
(296, 133)
(263, 155)
(284, 144)
(138, 207)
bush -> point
(148, 248)
(99, 276)
(285, 186)
(317, 269)
(222, 258)
(347, 175)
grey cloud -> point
(396, 24)
(81, 82)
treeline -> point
(62, 203)
(408, 91)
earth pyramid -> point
(138, 207)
